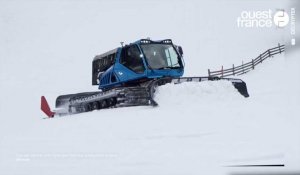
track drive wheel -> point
(95, 105)
(103, 104)
(88, 107)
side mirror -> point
(180, 50)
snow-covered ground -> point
(46, 48)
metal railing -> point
(246, 67)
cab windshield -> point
(161, 56)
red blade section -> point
(45, 107)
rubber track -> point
(130, 96)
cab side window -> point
(131, 58)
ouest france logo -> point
(262, 19)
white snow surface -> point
(46, 48)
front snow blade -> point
(241, 87)
(239, 84)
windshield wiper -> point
(168, 67)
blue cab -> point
(136, 63)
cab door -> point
(131, 64)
